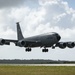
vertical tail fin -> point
(19, 32)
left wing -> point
(63, 45)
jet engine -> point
(20, 43)
(7, 43)
(61, 45)
(70, 44)
(2, 41)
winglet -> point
(19, 32)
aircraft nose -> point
(58, 37)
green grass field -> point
(37, 70)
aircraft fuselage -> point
(44, 40)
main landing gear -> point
(28, 49)
(45, 50)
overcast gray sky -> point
(36, 17)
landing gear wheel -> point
(28, 49)
(44, 50)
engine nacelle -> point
(7, 43)
(70, 44)
(20, 43)
(61, 45)
(2, 41)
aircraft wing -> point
(7, 41)
(20, 43)
(63, 45)
(25, 43)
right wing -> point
(7, 41)
(20, 43)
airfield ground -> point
(36, 70)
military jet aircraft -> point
(43, 40)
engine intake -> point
(20, 43)
(2, 41)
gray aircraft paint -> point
(43, 40)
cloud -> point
(10, 3)
(59, 11)
(51, 15)
(7, 4)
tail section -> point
(19, 32)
